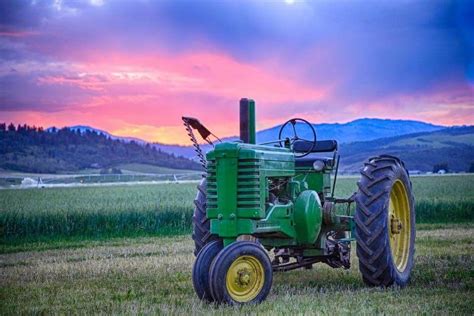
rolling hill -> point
(29, 149)
(359, 130)
(420, 145)
(419, 151)
(365, 129)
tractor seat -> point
(322, 146)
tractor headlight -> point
(318, 165)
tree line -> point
(32, 149)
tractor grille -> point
(248, 184)
(211, 184)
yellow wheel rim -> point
(399, 225)
(245, 278)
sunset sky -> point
(134, 68)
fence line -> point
(34, 181)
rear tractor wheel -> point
(201, 224)
(385, 223)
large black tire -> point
(380, 176)
(201, 224)
(251, 259)
(201, 269)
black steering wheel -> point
(291, 141)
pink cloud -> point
(156, 91)
(145, 96)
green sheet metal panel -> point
(237, 184)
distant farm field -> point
(166, 209)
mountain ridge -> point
(364, 129)
(453, 146)
(420, 151)
(360, 122)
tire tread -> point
(373, 249)
(201, 224)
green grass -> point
(439, 199)
(153, 276)
(98, 212)
(70, 249)
(164, 209)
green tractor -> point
(264, 208)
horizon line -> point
(229, 136)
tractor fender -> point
(308, 217)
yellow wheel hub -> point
(245, 278)
(399, 225)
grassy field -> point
(153, 276)
(97, 212)
(166, 209)
(69, 250)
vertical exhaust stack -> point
(247, 121)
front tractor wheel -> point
(385, 223)
(241, 274)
